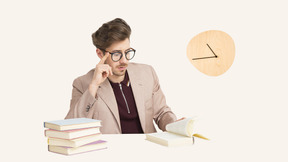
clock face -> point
(211, 52)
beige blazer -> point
(149, 98)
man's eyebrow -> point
(128, 49)
(120, 50)
(116, 51)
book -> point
(75, 123)
(71, 134)
(93, 146)
(169, 139)
(179, 133)
(74, 142)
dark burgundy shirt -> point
(129, 118)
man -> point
(125, 96)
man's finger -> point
(181, 119)
(110, 69)
(102, 61)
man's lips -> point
(122, 67)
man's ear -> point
(99, 53)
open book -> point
(178, 134)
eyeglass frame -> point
(112, 53)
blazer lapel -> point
(105, 92)
(138, 88)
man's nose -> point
(123, 59)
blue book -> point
(75, 123)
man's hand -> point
(181, 119)
(102, 71)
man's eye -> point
(117, 54)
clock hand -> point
(215, 56)
(211, 50)
(204, 57)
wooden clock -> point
(211, 52)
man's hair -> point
(111, 32)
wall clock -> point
(211, 52)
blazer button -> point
(87, 108)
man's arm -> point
(81, 102)
(162, 112)
(83, 99)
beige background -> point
(46, 44)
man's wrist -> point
(93, 85)
(93, 89)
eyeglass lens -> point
(117, 55)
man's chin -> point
(119, 73)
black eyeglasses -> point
(117, 55)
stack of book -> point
(73, 136)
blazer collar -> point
(105, 92)
(138, 89)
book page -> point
(169, 139)
(183, 127)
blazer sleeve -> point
(163, 114)
(81, 101)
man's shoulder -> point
(142, 71)
(140, 66)
(86, 78)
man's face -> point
(119, 67)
